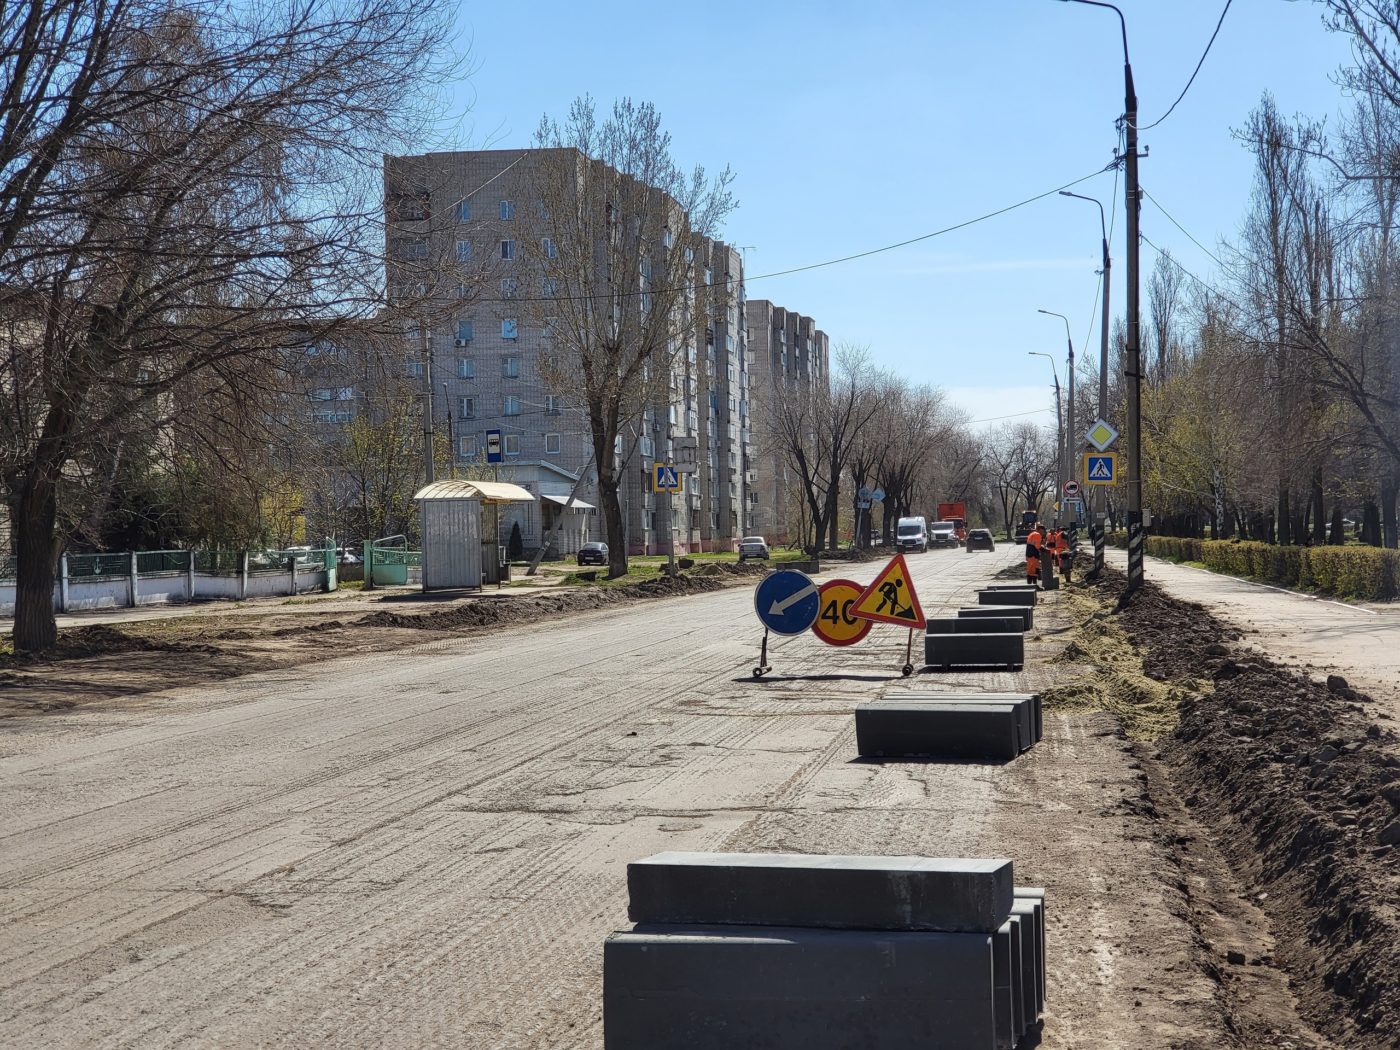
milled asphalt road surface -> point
(426, 847)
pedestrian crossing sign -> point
(1101, 468)
(890, 598)
(665, 478)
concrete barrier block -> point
(981, 732)
(788, 889)
(1035, 896)
(986, 597)
(1026, 612)
(1001, 651)
(1027, 914)
(975, 625)
(1006, 968)
(1026, 705)
(1028, 587)
(721, 988)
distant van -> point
(911, 534)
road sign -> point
(1074, 508)
(685, 454)
(864, 493)
(665, 478)
(493, 446)
(863, 504)
(1101, 468)
(835, 625)
(890, 598)
(1071, 488)
(878, 495)
(1101, 435)
(787, 601)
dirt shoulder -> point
(1292, 791)
(105, 665)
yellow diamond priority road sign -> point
(1101, 435)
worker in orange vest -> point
(1065, 554)
(1033, 542)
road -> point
(427, 847)
(1359, 641)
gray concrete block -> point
(1026, 612)
(986, 597)
(1027, 706)
(1035, 896)
(975, 625)
(722, 988)
(949, 895)
(1010, 587)
(926, 729)
(1006, 967)
(1027, 913)
(1000, 651)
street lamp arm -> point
(1103, 225)
(1122, 22)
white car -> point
(753, 547)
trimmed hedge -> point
(1365, 573)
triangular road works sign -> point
(890, 598)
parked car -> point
(347, 557)
(753, 547)
(593, 554)
(980, 540)
(911, 534)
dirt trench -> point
(1296, 792)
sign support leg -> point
(763, 667)
(909, 655)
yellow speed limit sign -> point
(835, 625)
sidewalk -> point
(1360, 642)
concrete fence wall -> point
(83, 594)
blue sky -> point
(851, 126)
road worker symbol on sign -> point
(835, 625)
(890, 598)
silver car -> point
(753, 547)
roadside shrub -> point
(1363, 573)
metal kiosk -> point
(457, 550)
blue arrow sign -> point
(787, 602)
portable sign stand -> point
(787, 602)
(891, 599)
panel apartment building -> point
(455, 228)
(789, 358)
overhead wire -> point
(1195, 71)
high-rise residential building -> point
(468, 248)
(789, 359)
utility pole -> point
(451, 436)
(429, 472)
(1137, 540)
(1133, 347)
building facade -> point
(468, 247)
(789, 358)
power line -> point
(1199, 64)
(1183, 229)
(1012, 415)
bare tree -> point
(618, 229)
(179, 187)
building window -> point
(415, 369)
(666, 237)
(507, 250)
(466, 446)
(550, 251)
(465, 331)
(512, 444)
(463, 211)
(509, 287)
(551, 444)
(462, 292)
(549, 287)
(510, 405)
(464, 251)
(409, 248)
(507, 209)
(551, 404)
(510, 367)
(468, 406)
(509, 328)
(466, 368)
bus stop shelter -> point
(461, 531)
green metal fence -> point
(81, 566)
(149, 562)
(218, 563)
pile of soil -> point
(1302, 789)
(101, 640)
(857, 554)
